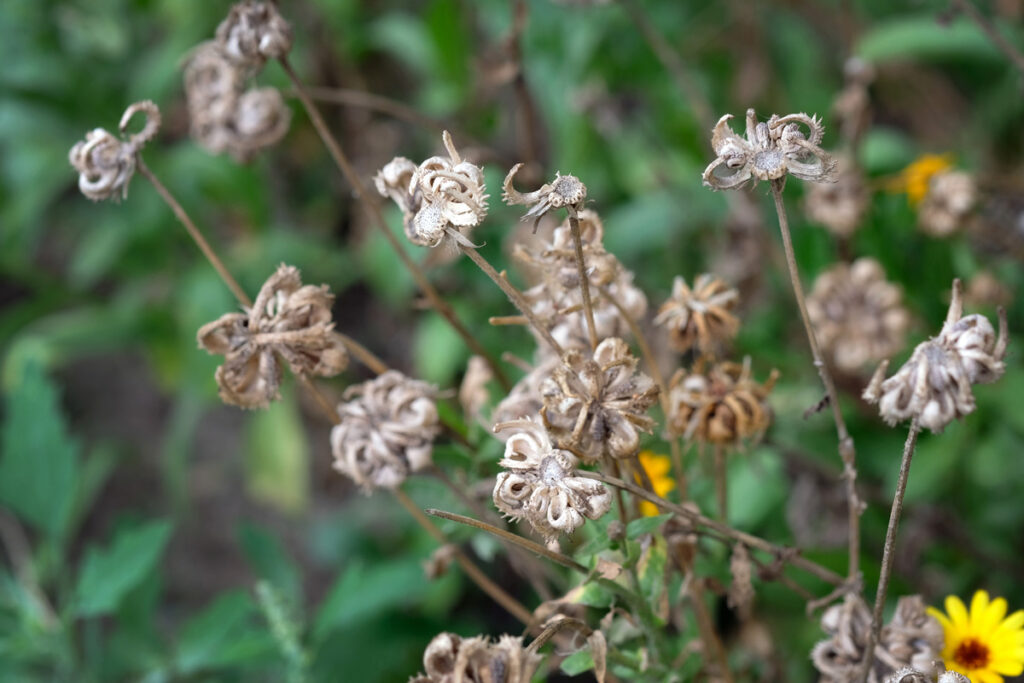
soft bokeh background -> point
(138, 513)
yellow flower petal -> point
(947, 626)
(957, 614)
(985, 676)
(1007, 667)
(1012, 623)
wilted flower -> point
(260, 120)
(839, 206)
(911, 639)
(934, 386)
(722, 406)
(287, 321)
(597, 403)
(387, 429)
(540, 483)
(106, 164)
(564, 190)
(451, 659)
(770, 151)
(701, 316)
(857, 314)
(395, 181)
(950, 198)
(254, 32)
(982, 643)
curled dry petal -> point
(701, 316)
(564, 190)
(253, 32)
(106, 164)
(451, 659)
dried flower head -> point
(597, 403)
(701, 316)
(539, 483)
(950, 198)
(985, 289)
(287, 321)
(911, 639)
(254, 32)
(452, 197)
(212, 86)
(387, 429)
(473, 394)
(771, 150)
(563, 191)
(839, 206)
(261, 120)
(857, 314)
(721, 406)
(451, 659)
(526, 399)
(934, 386)
(106, 164)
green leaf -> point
(577, 663)
(362, 591)
(923, 37)
(645, 525)
(277, 456)
(107, 575)
(39, 462)
(204, 638)
(271, 562)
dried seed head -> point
(857, 314)
(387, 430)
(526, 398)
(597, 403)
(911, 639)
(839, 206)
(254, 32)
(451, 659)
(212, 87)
(287, 321)
(563, 191)
(473, 394)
(722, 406)
(934, 386)
(950, 198)
(106, 164)
(701, 316)
(784, 145)
(260, 121)
(540, 483)
(741, 590)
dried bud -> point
(451, 659)
(741, 590)
(106, 164)
(771, 150)
(254, 32)
(287, 321)
(700, 316)
(857, 314)
(950, 198)
(839, 206)
(387, 430)
(598, 403)
(563, 191)
(722, 406)
(540, 483)
(934, 386)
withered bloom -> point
(839, 206)
(526, 399)
(722, 406)
(950, 198)
(771, 150)
(106, 164)
(395, 181)
(287, 321)
(450, 659)
(911, 675)
(911, 639)
(563, 191)
(701, 316)
(387, 430)
(261, 119)
(539, 483)
(857, 314)
(254, 32)
(597, 403)
(934, 386)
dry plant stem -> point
(581, 268)
(438, 303)
(496, 592)
(514, 295)
(706, 627)
(990, 30)
(193, 232)
(721, 483)
(725, 530)
(366, 100)
(846, 448)
(890, 546)
(363, 354)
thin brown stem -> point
(193, 232)
(581, 269)
(721, 483)
(436, 301)
(373, 102)
(363, 354)
(990, 30)
(847, 452)
(890, 547)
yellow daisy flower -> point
(983, 644)
(658, 469)
(916, 177)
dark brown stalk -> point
(581, 269)
(363, 354)
(721, 483)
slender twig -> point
(847, 452)
(373, 102)
(990, 30)
(363, 354)
(721, 483)
(193, 231)
(370, 200)
(581, 269)
(890, 547)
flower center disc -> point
(971, 654)
(551, 471)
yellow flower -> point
(983, 644)
(658, 469)
(915, 178)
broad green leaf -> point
(364, 591)
(577, 663)
(39, 462)
(108, 574)
(439, 351)
(205, 636)
(645, 525)
(923, 37)
(271, 562)
(757, 486)
(277, 456)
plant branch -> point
(581, 269)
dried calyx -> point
(564, 191)
(700, 317)
(386, 430)
(539, 483)
(596, 403)
(934, 386)
(451, 659)
(288, 321)
(105, 163)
